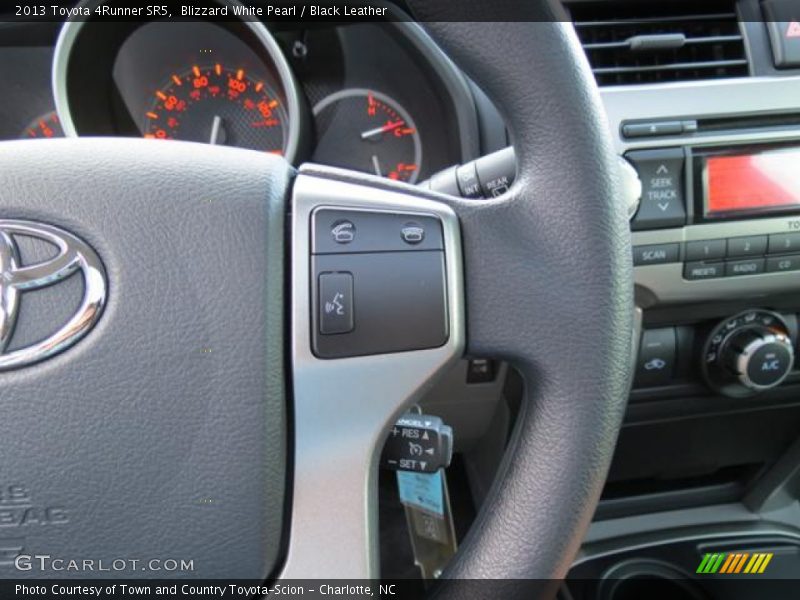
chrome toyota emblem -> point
(17, 279)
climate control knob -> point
(748, 353)
(760, 358)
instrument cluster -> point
(374, 97)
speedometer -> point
(218, 105)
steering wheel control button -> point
(753, 245)
(748, 353)
(343, 232)
(705, 250)
(657, 355)
(656, 254)
(400, 297)
(661, 173)
(337, 231)
(413, 233)
(695, 271)
(336, 303)
(419, 443)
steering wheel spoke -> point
(344, 407)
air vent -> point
(657, 42)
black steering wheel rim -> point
(547, 286)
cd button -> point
(779, 264)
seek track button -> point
(662, 202)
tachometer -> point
(218, 105)
(367, 131)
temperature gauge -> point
(367, 131)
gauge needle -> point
(377, 166)
(382, 129)
(216, 129)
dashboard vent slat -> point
(630, 43)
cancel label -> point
(17, 509)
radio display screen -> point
(752, 183)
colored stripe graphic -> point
(734, 563)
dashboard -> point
(377, 97)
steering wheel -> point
(188, 415)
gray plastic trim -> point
(453, 80)
(344, 408)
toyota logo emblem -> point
(17, 279)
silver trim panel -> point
(344, 408)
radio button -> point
(780, 243)
(661, 174)
(655, 254)
(744, 267)
(752, 245)
(779, 264)
(705, 250)
(699, 270)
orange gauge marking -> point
(187, 92)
